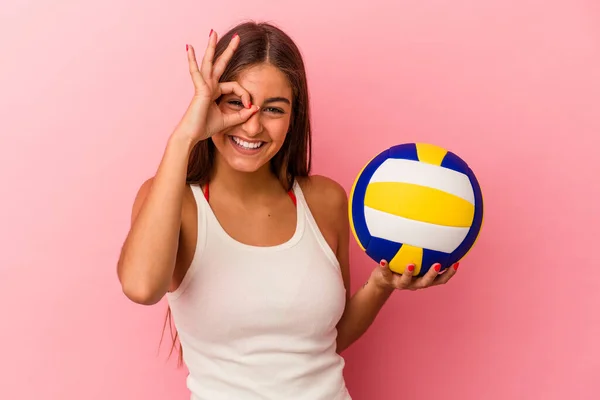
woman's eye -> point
(274, 110)
(240, 104)
(236, 103)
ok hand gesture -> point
(204, 118)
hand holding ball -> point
(418, 204)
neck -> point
(244, 185)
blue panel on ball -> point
(455, 163)
(407, 151)
(431, 257)
(382, 249)
(469, 240)
(358, 198)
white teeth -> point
(246, 145)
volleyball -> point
(416, 203)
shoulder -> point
(322, 190)
(326, 198)
(145, 188)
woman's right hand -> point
(204, 118)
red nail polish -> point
(411, 268)
(186, 47)
(250, 105)
(456, 267)
(437, 267)
(234, 35)
(211, 31)
(382, 263)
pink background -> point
(89, 92)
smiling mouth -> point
(245, 145)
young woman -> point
(250, 250)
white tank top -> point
(260, 322)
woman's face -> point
(251, 145)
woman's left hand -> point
(386, 279)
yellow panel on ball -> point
(405, 256)
(420, 203)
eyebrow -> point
(273, 100)
(276, 99)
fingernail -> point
(186, 47)
(250, 105)
(456, 266)
(211, 31)
(411, 268)
(437, 267)
(382, 263)
(234, 35)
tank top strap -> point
(201, 209)
(201, 239)
(312, 223)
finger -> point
(222, 61)
(237, 89)
(404, 281)
(239, 117)
(209, 54)
(446, 276)
(429, 277)
(386, 272)
(193, 67)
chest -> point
(293, 292)
(266, 225)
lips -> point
(247, 144)
(246, 147)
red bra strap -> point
(292, 196)
(290, 193)
(206, 191)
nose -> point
(253, 126)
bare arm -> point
(147, 260)
(361, 310)
(148, 256)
